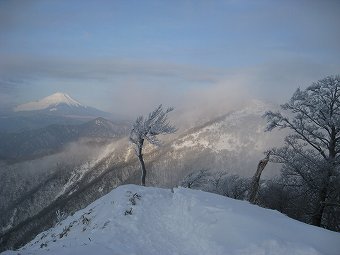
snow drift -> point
(139, 220)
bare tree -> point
(256, 179)
(148, 129)
(311, 153)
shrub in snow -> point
(60, 216)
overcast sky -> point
(128, 56)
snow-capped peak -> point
(48, 102)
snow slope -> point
(48, 102)
(138, 220)
(233, 131)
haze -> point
(128, 56)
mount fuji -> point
(59, 104)
(50, 102)
(58, 108)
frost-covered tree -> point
(228, 185)
(148, 128)
(219, 182)
(311, 154)
(197, 179)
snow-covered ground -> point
(139, 220)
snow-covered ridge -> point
(139, 220)
(231, 132)
(48, 102)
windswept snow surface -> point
(152, 221)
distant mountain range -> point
(58, 108)
(34, 143)
(234, 143)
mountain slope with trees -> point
(35, 143)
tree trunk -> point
(140, 157)
(323, 195)
(324, 192)
(317, 217)
(141, 160)
(256, 179)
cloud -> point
(9, 90)
(214, 55)
(99, 68)
(272, 82)
(131, 87)
(125, 79)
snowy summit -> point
(138, 220)
(49, 102)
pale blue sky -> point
(110, 54)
